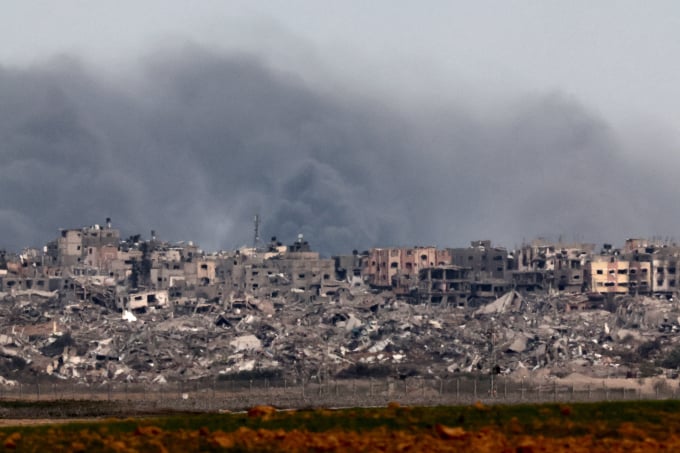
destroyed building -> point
(444, 285)
(552, 265)
(94, 307)
(483, 260)
(99, 255)
(92, 245)
(274, 273)
(397, 268)
(349, 267)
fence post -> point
(589, 394)
(458, 390)
(505, 387)
(475, 389)
(37, 388)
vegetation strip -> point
(605, 426)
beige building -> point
(90, 246)
(69, 247)
(611, 274)
(205, 271)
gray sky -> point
(619, 57)
(442, 89)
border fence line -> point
(240, 394)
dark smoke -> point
(204, 141)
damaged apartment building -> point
(642, 267)
(545, 265)
(95, 263)
(279, 271)
(456, 276)
(489, 269)
(481, 272)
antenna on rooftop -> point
(256, 236)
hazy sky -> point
(357, 123)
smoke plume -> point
(202, 141)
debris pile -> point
(354, 334)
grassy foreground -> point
(605, 426)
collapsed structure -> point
(92, 306)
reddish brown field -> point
(596, 427)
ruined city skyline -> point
(369, 126)
(97, 306)
(261, 240)
(447, 276)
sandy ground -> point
(646, 385)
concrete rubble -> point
(95, 308)
(355, 334)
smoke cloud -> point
(201, 141)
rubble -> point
(513, 335)
(105, 310)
